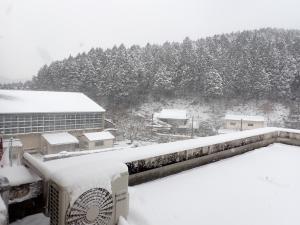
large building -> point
(27, 115)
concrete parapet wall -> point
(163, 165)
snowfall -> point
(258, 187)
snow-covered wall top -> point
(16, 101)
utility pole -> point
(152, 124)
(241, 124)
(1, 146)
(192, 126)
(10, 151)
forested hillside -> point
(258, 64)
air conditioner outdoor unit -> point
(96, 205)
(84, 190)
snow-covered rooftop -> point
(16, 101)
(259, 187)
(179, 114)
(18, 175)
(60, 138)
(233, 189)
(244, 117)
(98, 136)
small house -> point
(174, 117)
(243, 122)
(97, 140)
(52, 143)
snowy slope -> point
(215, 110)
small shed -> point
(243, 122)
(174, 117)
(97, 140)
(52, 143)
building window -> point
(250, 124)
(99, 143)
(232, 124)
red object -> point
(1, 148)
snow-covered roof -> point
(16, 101)
(244, 117)
(18, 175)
(178, 114)
(99, 136)
(60, 138)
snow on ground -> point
(215, 111)
(259, 187)
(275, 117)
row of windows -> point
(84, 121)
(21, 130)
(47, 116)
(54, 116)
(48, 123)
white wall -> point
(246, 125)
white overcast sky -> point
(35, 32)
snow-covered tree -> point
(213, 84)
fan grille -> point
(94, 206)
(53, 205)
